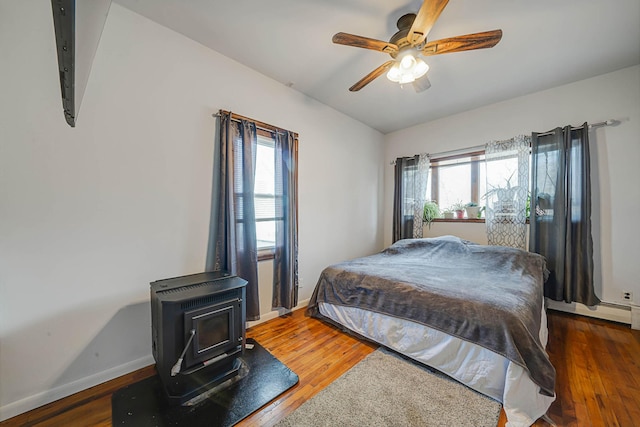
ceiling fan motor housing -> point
(400, 38)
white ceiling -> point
(545, 43)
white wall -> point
(90, 215)
(615, 158)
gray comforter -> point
(488, 295)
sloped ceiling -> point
(545, 43)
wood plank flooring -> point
(597, 363)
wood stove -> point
(198, 332)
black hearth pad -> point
(144, 404)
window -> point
(260, 161)
(457, 179)
(272, 170)
(264, 192)
(463, 178)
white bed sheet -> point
(477, 367)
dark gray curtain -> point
(560, 223)
(285, 262)
(403, 208)
(233, 214)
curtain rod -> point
(259, 124)
(449, 153)
(610, 122)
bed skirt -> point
(475, 366)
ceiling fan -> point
(411, 41)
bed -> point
(472, 311)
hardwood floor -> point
(597, 372)
(597, 363)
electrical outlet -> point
(627, 295)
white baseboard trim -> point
(277, 313)
(32, 402)
(605, 311)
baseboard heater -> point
(605, 310)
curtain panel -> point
(285, 262)
(410, 188)
(420, 193)
(506, 198)
(560, 224)
(233, 210)
(233, 214)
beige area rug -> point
(385, 389)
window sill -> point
(266, 254)
(475, 220)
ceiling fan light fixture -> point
(407, 62)
(420, 69)
(394, 73)
(406, 79)
(407, 70)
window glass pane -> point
(482, 183)
(503, 173)
(454, 184)
(265, 183)
(266, 234)
(264, 193)
(428, 196)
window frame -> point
(474, 159)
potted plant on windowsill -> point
(431, 212)
(458, 208)
(473, 210)
(447, 213)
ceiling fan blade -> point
(365, 42)
(371, 76)
(421, 84)
(427, 16)
(460, 43)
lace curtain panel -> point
(507, 191)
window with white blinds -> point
(267, 210)
(265, 194)
(263, 191)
